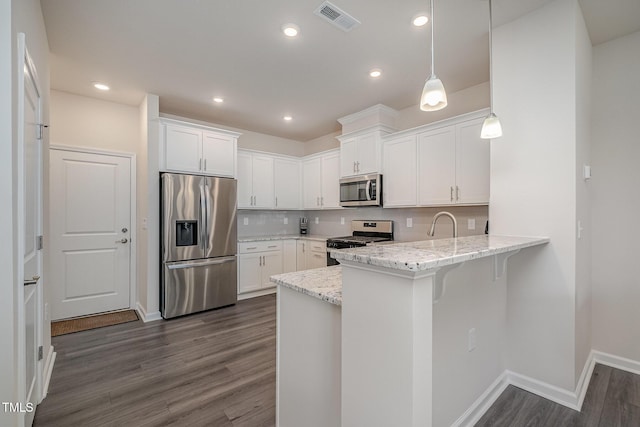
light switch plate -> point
(342, 220)
(409, 222)
(471, 224)
(317, 220)
(286, 220)
(245, 221)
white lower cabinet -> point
(257, 262)
(289, 256)
(311, 254)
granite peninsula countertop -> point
(426, 254)
(323, 283)
(282, 237)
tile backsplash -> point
(330, 222)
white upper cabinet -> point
(400, 172)
(321, 181)
(192, 148)
(361, 154)
(452, 164)
(473, 161)
(287, 183)
(255, 181)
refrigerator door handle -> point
(203, 217)
(192, 264)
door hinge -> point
(40, 130)
(40, 353)
(39, 243)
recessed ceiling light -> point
(287, 118)
(100, 86)
(376, 72)
(218, 99)
(290, 30)
(420, 20)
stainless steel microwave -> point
(363, 190)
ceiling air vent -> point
(336, 16)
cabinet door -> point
(368, 159)
(348, 156)
(472, 163)
(301, 255)
(249, 272)
(289, 258)
(262, 181)
(183, 149)
(286, 175)
(436, 166)
(400, 175)
(218, 153)
(330, 197)
(245, 181)
(271, 265)
(311, 185)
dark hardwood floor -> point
(209, 369)
(612, 399)
(218, 369)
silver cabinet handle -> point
(123, 240)
(276, 201)
(451, 188)
(354, 167)
(33, 281)
(317, 201)
(457, 193)
(205, 164)
(273, 246)
(303, 248)
(200, 164)
(252, 247)
(357, 166)
(321, 200)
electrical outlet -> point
(245, 220)
(144, 223)
(342, 220)
(317, 220)
(409, 222)
(472, 339)
(286, 220)
(471, 224)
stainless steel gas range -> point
(364, 232)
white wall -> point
(94, 123)
(533, 186)
(583, 298)
(8, 276)
(616, 198)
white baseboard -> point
(259, 293)
(147, 317)
(48, 371)
(473, 414)
(617, 362)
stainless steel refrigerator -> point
(198, 243)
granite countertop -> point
(323, 283)
(282, 237)
(423, 255)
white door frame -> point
(26, 66)
(133, 257)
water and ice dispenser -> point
(187, 233)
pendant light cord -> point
(490, 58)
(432, 54)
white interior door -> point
(30, 202)
(90, 238)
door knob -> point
(123, 240)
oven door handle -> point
(368, 189)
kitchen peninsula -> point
(405, 334)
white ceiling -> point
(188, 51)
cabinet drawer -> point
(315, 246)
(262, 246)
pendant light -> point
(433, 96)
(491, 128)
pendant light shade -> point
(434, 97)
(491, 128)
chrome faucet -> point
(453, 220)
